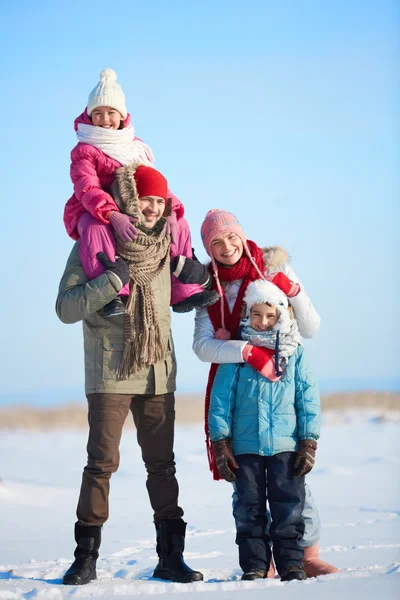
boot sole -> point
(190, 577)
(70, 581)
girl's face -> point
(152, 208)
(263, 317)
(106, 117)
(227, 249)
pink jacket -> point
(92, 173)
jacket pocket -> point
(112, 354)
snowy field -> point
(356, 483)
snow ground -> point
(356, 485)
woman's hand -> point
(262, 360)
(286, 285)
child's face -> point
(263, 317)
(152, 208)
(106, 117)
(227, 249)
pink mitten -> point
(261, 359)
(124, 226)
(286, 285)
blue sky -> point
(285, 113)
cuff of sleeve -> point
(246, 352)
(115, 281)
(179, 266)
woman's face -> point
(227, 248)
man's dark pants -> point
(154, 417)
(259, 478)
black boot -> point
(170, 547)
(200, 300)
(256, 574)
(293, 572)
(83, 569)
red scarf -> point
(244, 270)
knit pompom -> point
(222, 334)
(108, 74)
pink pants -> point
(96, 237)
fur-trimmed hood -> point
(275, 257)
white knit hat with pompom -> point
(107, 93)
(261, 292)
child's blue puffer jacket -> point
(264, 417)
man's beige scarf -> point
(146, 256)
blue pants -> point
(257, 478)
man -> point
(129, 365)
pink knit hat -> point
(216, 222)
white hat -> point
(107, 93)
(262, 292)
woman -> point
(235, 262)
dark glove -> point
(190, 270)
(305, 458)
(225, 459)
(120, 267)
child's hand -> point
(286, 285)
(120, 267)
(190, 270)
(305, 458)
(124, 226)
(225, 459)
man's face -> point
(263, 317)
(106, 117)
(152, 208)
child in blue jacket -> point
(264, 434)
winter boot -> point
(256, 574)
(313, 565)
(199, 300)
(114, 308)
(170, 547)
(83, 569)
(293, 572)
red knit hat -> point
(150, 182)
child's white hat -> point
(263, 292)
(107, 93)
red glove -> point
(286, 285)
(261, 359)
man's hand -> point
(305, 458)
(124, 226)
(120, 267)
(225, 459)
